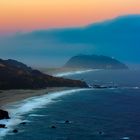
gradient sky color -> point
(28, 15)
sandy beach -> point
(11, 96)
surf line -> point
(18, 109)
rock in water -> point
(101, 133)
(4, 115)
(54, 127)
(15, 131)
(23, 123)
(67, 121)
(2, 126)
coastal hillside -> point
(16, 75)
(95, 62)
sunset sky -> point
(28, 15)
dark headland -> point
(16, 75)
(94, 62)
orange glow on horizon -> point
(27, 15)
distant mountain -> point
(16, 75)
(94, 61)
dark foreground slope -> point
(16, 75)
(94, 61)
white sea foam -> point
(36, 115)
(125, 138)
(18, 109)
(131, 88)
(74, 72)
(136, 88)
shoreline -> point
(24, 101)
(15, 95)
(11, 96)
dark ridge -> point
(16, 75)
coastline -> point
(11, 96)
(16, 95)
(18, 104)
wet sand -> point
(11, 96)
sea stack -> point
(4, 114)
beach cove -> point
(22, 102)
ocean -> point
(81, 114)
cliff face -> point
(16, 75)
(94, 61)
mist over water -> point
(73, 72)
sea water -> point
(92, 114)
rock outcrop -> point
(4, 114)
